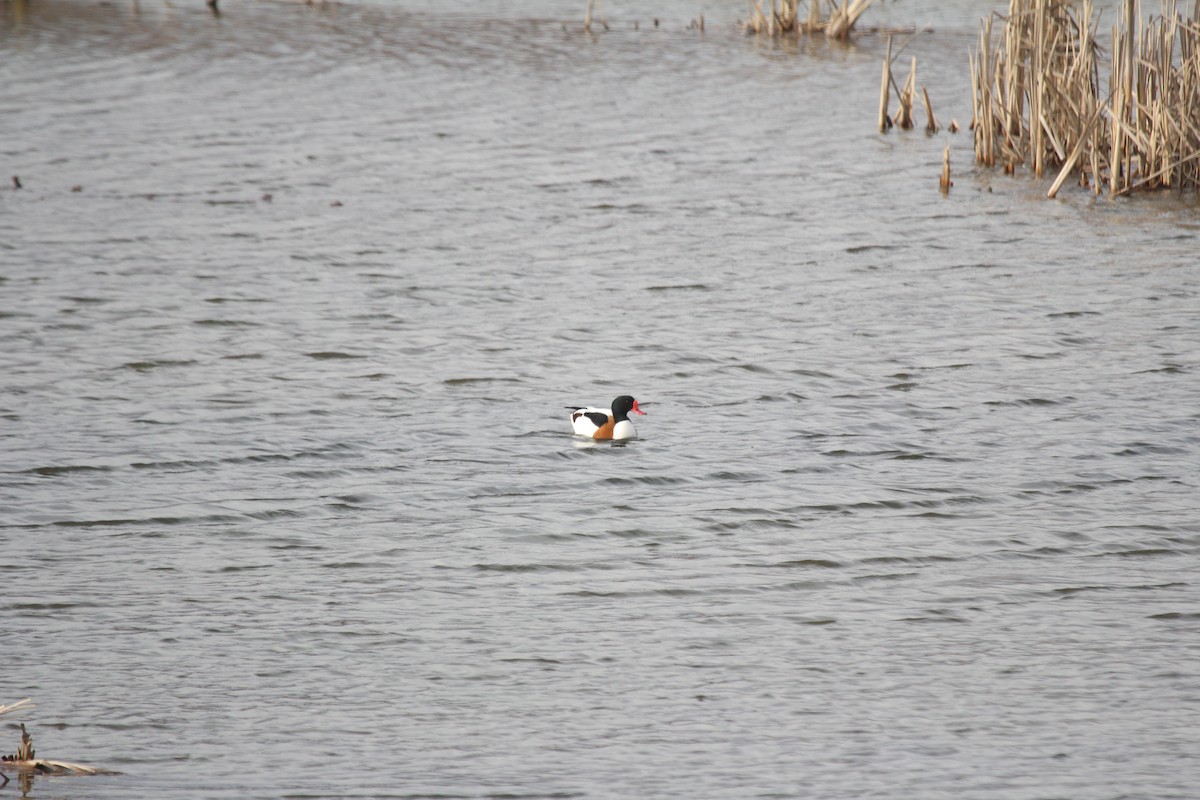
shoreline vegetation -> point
(775, 17)
(1044, 95)
(1039, 100)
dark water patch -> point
(539, 660)
(285, 546)
(887, 577)
(527, 568)
(1141, 552)
(1170, 369)
(936, 615)
(66, 470)
(276, 513)
(681, 287)
(873, 505)
(785, 397)
(1149, 448)
(911, 560)
(258, 458)
(96, 523)
(1176, 616)
(1046, 488)
(632, 208)
(905, 386)
(895, 455)
(756, 369)
(635, 533)
(644, 480)
(244, 357)
(935, 515)
(332, 355)
(754, 523)
(235, 568)
(1029, 401)
(225, 323)
(472, 381)
(316, 474)
(818, 621)
(172, 466)
(203, 519)
(737, 477)
(1073, 314)
(147, 366)
(47, 607)
(805, 563)
(1068, 591)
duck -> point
(606, 423)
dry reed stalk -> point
(25, 705)
(904, 117)
(885, 122)
(844, 17)
(944, 182)
(931, 125)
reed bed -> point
(778, 17)
(1043, 96)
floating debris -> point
(25, 760)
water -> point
(290, 506)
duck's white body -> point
(605, 423)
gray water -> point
(289, 503)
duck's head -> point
(623, 405)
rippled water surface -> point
(291, 302)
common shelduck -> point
(606, 423)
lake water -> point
(289, 503)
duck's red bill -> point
(637, 410)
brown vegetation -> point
(776, 17)
(1038, 99)
(25, 761)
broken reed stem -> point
(25, 704)
(904, 117)
(931, 125)
(1037, 97)
(885, 121)
(944, 182)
